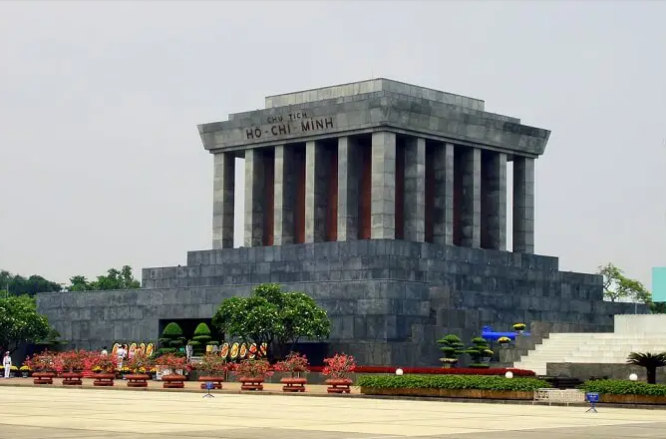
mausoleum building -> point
(387, 202)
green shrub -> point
(622, 387)
(451, 382)
(201, 329)
(213, 343)
(202, 338)
(168, 350)
(194, 343)
(172, 330)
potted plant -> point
(339, 368)
(452, 347)
(43, 365)
(519, 327)
(251, 373)
(70, 365)
(504, 341)
(25, 371)
(175, 364)
(138, 365)
(294, 364)
(104, 369)
(214, 369)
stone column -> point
(493, 209)
(414, 206)
(223, 200)
(254, 207)
(285, 195)
(470, 217)
(523, 204)
(347, 190)
(315, 193)
(382, 210)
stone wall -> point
(388, 300)
(585, 371)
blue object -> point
(488, 333)
(209, 385)
(593, 399)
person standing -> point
(121, 353)
(7, 364)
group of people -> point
(121, 353)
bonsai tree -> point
(452, 347)
(340, 366)
(520, 327)
(478, 351)
(294, 364)
(252, 368)
(172, 339)
(213, 365)
(650, 362)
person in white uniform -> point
(7, 364)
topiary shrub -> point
(452, 347)
(479, 351)
(202, 336)
(172, 339)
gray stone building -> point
(385, 201)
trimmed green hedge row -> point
(451, 382)
(622, 387)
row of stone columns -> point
(451, 195)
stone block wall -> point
(388, 300)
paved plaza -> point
(29, 412)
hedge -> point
(172, 330)
(438, 370)
(451, 382)
(622, 387)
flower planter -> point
(103, 379)
(293, 384)
(72, 379)
(173, 381)
(216, 380)
(338, 385)
(137, 380)
(43, 377)
(450, 393)
(633, 399)
(251, 383)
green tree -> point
(18, 285)
(20, 322)
(272, 316)
(113, 280)
(617, 286)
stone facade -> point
(388, 300)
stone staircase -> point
(611, 347)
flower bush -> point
(253, 368)
(452, 382)
(71, 361)
(103, 363)
(25, 368)
(213, 365)
(171, 361)
(339, 366)
(504, 340)
(519, 326)
(294, 364)
(42, 362)
(139, 363)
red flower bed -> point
(436, 370)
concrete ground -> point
(36, 412)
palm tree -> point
(649, 361)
